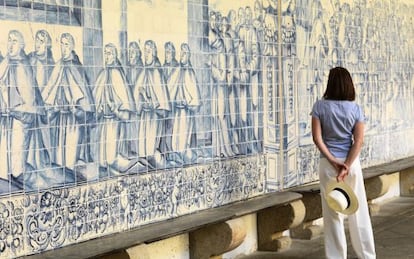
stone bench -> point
(297, 216)
(378, 179)
(217, 227)
(215, 231)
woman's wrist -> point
(346, 166)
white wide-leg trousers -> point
(360, 227)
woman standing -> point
(338, 132)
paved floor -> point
(393, 233)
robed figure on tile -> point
(114, 106)
(185, 98)
(222, 138)
(42, 62)
(152, 104)
(19, 106)
(69, 103)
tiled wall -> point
(115, 114)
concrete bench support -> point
(407, 182)
(307, 230)
(376, 187)
(273, 221)
(214, 240)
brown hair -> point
(340, 85)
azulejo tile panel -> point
(49, 219)
(115, 114)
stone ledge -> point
(168, 228)
(389, 168)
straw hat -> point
(341, 198)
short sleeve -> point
(359, 116)
(315, 110)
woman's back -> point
(337, 119)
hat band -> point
(346, 196)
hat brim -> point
(353, 201)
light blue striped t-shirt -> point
(338, 119)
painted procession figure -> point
(69, 103)
(152, 104)
(248, 65)
(114, 106)
(229, 39)
(18, 109)
(222, 141)
(243, 76)
(42, 62)
(135, 66)
(185, 98)
(170, 70)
